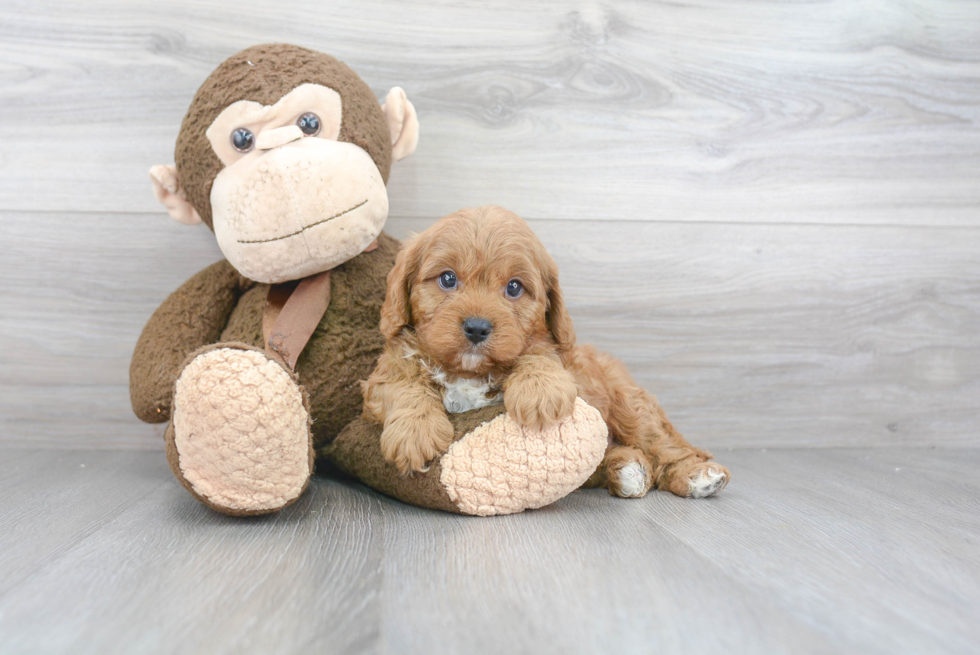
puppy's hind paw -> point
(630, 481)
(707, 480)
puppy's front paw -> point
(539, 400)
(411, 442)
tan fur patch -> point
(241, 431)
(503, 468)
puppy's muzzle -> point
(477, 329)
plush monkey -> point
(255, 361)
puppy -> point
(474, 316)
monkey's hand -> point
(539, 393)
(193, 316)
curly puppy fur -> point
(529, 355)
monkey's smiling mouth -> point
(300, 231)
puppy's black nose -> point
(477, 329)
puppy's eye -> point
(447, 280)
(514, 289)
(242, 139)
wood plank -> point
(751, 335)
(165, 574)
(571, 578)
(830, 112)
(54, 500)
(806, 551)
(833, 535)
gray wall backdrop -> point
(770, 210)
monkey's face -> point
(292, 200)
(284, 153)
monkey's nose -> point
(477, 329)
(280, 136)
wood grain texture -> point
(751, 335)
(846, 111)
(53, 501)
(164, 575)
(830, 531)
(806, 551)
(784, 244)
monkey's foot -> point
(502, 467)
(239, 439)
(495, 465)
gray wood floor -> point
(807, 551)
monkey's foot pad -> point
(240, 438)
(503, 468)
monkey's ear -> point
(403, 123)
(166, 188)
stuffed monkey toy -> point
(256, 360)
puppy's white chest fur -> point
(463, 394)
(460, 394)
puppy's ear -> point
(396, 312)
(559, 322)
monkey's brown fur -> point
(219, 306)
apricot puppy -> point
(474, 316)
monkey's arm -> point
(192, 316)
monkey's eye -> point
(309, 124)
(242, 139)
(514, 289)
(447, 280)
